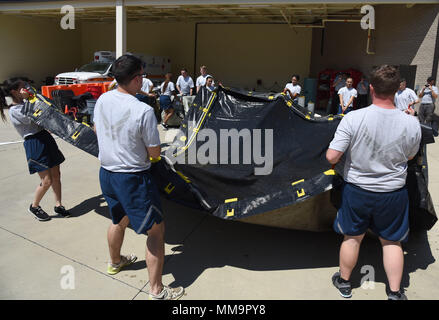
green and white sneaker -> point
(168, 293)
(124, 261)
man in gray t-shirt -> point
(127, 136)
(377, 142)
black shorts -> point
(42, 152)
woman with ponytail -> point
(167, 89)
(42, 153)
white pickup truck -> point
(99, 70)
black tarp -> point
(300, 170)
(46, 114)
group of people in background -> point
(405, 98)
(184, 88)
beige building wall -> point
(403, 36)
(36, 48)
(237, 55)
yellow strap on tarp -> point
(297, 182)
(169, 188)
(300, 193)
(231, 200)
(330, 172)
(154, 160)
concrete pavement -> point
(210, 257)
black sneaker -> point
(62, 211)
(39, 213)
(396, 296)
(344, 288)
(164, 126)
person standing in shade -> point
(167, 90)
(339, 82)
(201, 80)
(347, 95)
(185, 86)
(146, 94)
(377, 142)
(210, 83)
(128, 138)
(405, 97)
(429, 95)
(363, 92)
(293, 89)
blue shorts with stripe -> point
(42, 152)
(385, 213)
(132, 194)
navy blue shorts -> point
(134, 195)
(385, 213)
(165, 102)
(42, 152)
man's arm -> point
(154, 152)
(433, 92)
(333, 156)
(340, 96)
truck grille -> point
(66, 81)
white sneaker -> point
(168, 293)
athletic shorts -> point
(42, 152)
(165, 102)
(134, 195)
(385, 213)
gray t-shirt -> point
(24, 125)
(377, 144)
(125, 127)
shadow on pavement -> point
(203, 241)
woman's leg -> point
(56, 184)
(168, 114)
(46, 182)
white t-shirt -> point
(24, 125)
(427, 97)
(147, 85)
(294, 89)
(185, 84)
(347, 94)
(125, 127)
(404, 98)
(201, 80)
(169, 89)
(377, 143)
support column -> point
(121, 28)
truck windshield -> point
(95, 67)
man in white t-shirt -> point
(201, 80)
(429, 94)
(377, 142)
(347, 95)
(185, 85)
(405, 97)
(146, 94)
(128, 137)
(293, 89)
